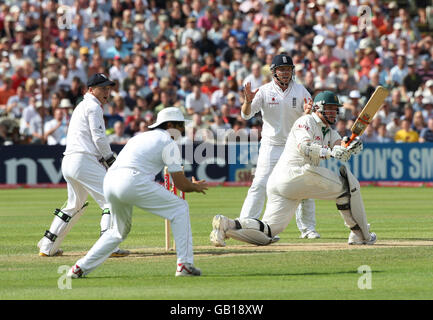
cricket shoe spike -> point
(220, 225)
(120, 253)
(75, 272)
(187, 270)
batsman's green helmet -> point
(327, 97)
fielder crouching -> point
(297, 176)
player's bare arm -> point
(182, 183)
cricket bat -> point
(374, 103)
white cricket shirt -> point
(149, 152)
(308, 128)
(279, 110)
(86, 132)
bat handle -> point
(352, 137)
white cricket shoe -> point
(220, 225)
(310, 235)
(355, 240)
(187, 270)
(75, 272)
(120, 253)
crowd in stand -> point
(197, 55)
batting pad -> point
(251, 236)
(356, 203)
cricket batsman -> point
(297, 176)
(281, 102)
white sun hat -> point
(168, 114)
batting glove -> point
(340, 153)
(355, 146)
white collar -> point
(318, 120)
(289, 87)
(91, 97)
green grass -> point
(396, 214)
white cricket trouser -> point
(289, 185)
(84, 175)
(125, 188)
(255, 200)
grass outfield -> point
(294, 268)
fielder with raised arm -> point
(87, 157)
(297, 175)
(281, 102)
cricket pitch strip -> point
(237, 249)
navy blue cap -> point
(281, 60)
(100, 80)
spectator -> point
(428, 91)
(418, 123)
(160, 47)
(117, 49)
(407, 113)
(210, 65)
(351, 107)
(197, 102)
(393, 126)
(113, 114)
(207, 87)
(184, 90)
(425, 70)
(131, 98)
(427, 133)
(382, 134)
(400, 71)
(165, 102)
(105, 41)
(16, 103)
(341, 127)
(321, 81)
(37, 124)
(190, 31)
(233, 105)
(255, 77)
(427, 109)
(75, 94)
(219, 97)
(406, 134)
(370, 135)
(219, 127)
(55, 129)
(118, 136)
(198, 130)
(227, 117)
(75, 71)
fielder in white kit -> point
(85, 162)
(130, 182)
(298, 175)
(281, 102)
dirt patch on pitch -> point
(238, 249)
(281, 247)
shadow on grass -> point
(228, 275)
(216, 252)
